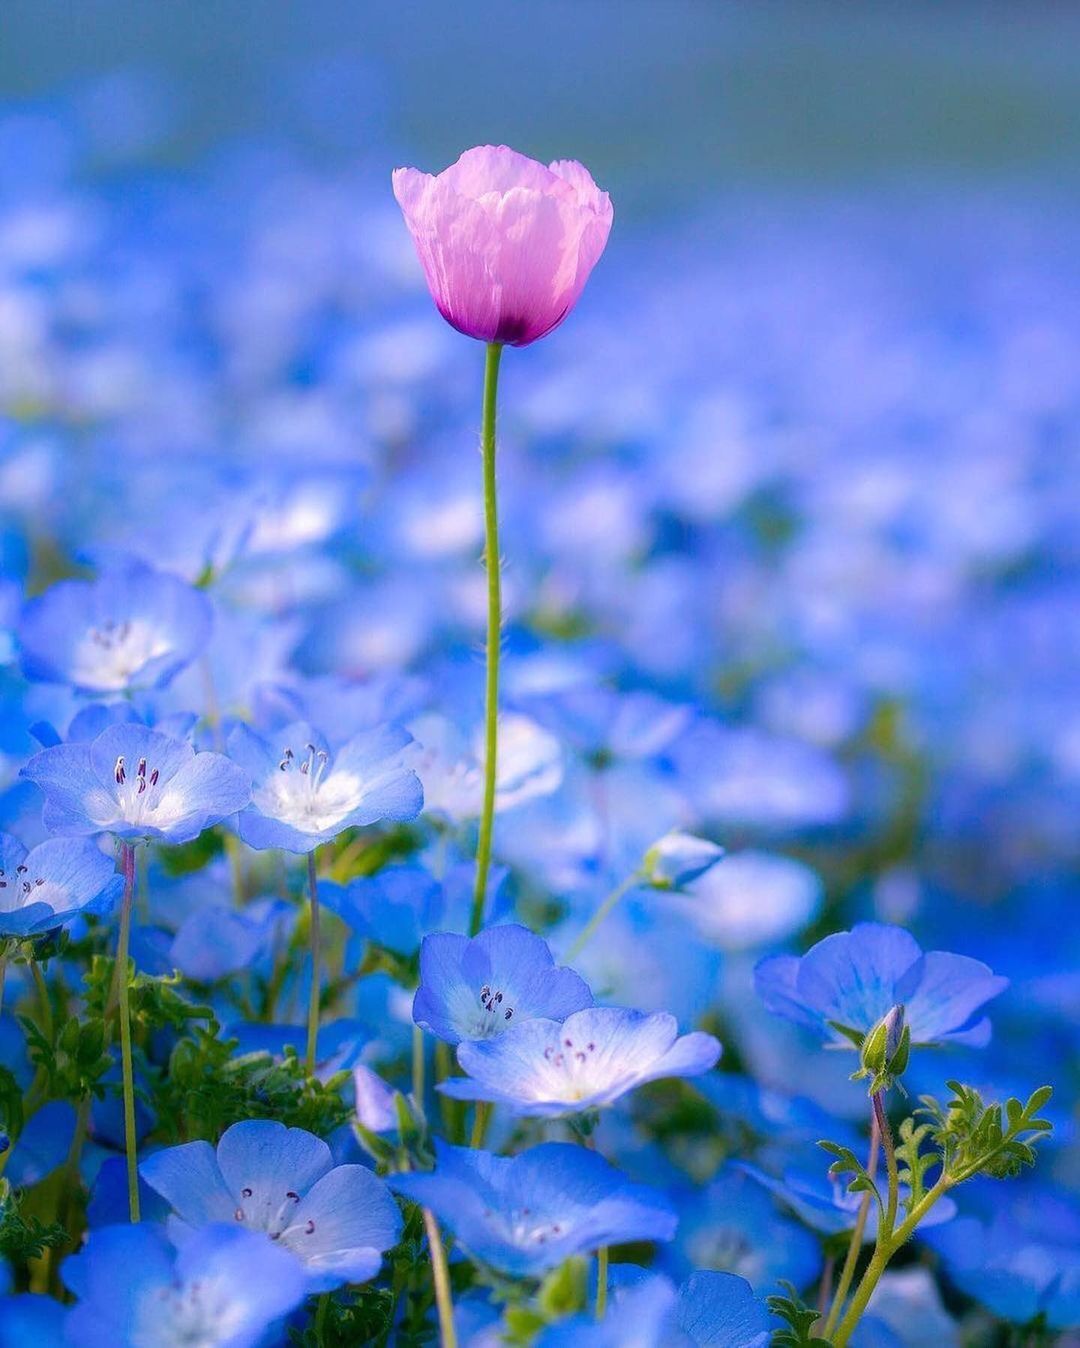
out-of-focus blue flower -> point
(374, 1101)
(824, 1203)
(907, 1302)
(336, 1220)
(710, 1310)
(854, 978)
(56, 881)
(133, 627)
(754, 899)
(525, 1214)
(303, 794)
(43, 1144)
(108, 1205)
(216, 940)
(1020, 1255)
(133, 782)
(546, 1069)
(480, 988)
(224, 1287)
(679, 859)
(31, 1319)
(733, 1226)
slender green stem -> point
(44, 1000)
(313, 995)
(322, 1309)
(616, 896)
(847, 1272)
(481, 1120)
(893, 1199)
(444, 1302)
(3, 976)
(601, 1281)
(419, 1066)
(493, 563)
(127, 858)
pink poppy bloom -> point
(506, 244)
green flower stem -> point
(601, 1281)
(444, 1302)
(418, 1066)
(493, 562)
(44, 1001)
(847, 1273)
(313, 995)
(127, 860)
(616, 896)
(885, 1132)
(3, 976)
(481, 1120)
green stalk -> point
(601, 1281)
(847, 1273)
(492, 561)
(444, 1302)
(419, 1066)
(616, 896)
(127, 859)
(44, 1001)
(313, 995)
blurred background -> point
(804, 459)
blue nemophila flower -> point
(337, 1220)
(304, 793)
(525, 1214)
(480, 988)
(133, 627)
(30, 1319)
(595, 1056)
(851, 980)
(710, 1310)
(59, 879)
(134, 782)
(223, 1287)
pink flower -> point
(506, 244)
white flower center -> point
(572, 1070)
(198, 1314)
(21, 888)
(109, 656)
(307, 794)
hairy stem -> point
(492, 562)
(847, 1272)
(127, 859)
(444, 1302)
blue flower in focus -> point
(480, 988)
(546, 1069)
(336, 1220)
(59, 879)
(304, 794)
(851, 980)
(525, 1214)
(710, 1310)
(133, 627)
(134, 782)
(224, 1287)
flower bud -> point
(885, 1051)
(678, 859)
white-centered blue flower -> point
(592, 1058)
(222, 1288)
(133, 627)
(480, 988)
(134, 782)
(528, 1213)
(305, 794)
(56, 881)
(337, 1220)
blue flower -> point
(133, 627)
(710, 1310)
(336, 1220)
(853, 979)
(56, 881)
(480, 988)
(546, 1069)
(303, 794)
(31, 1319)
(134, 782)
(224, 1287)
(755, 899)
(525, 1214)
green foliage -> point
(847, 1163)
(204, 1089)
(75, 1061)
(23, 1238)
(912, 1162)
(799, 1318)
(975, 1138)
